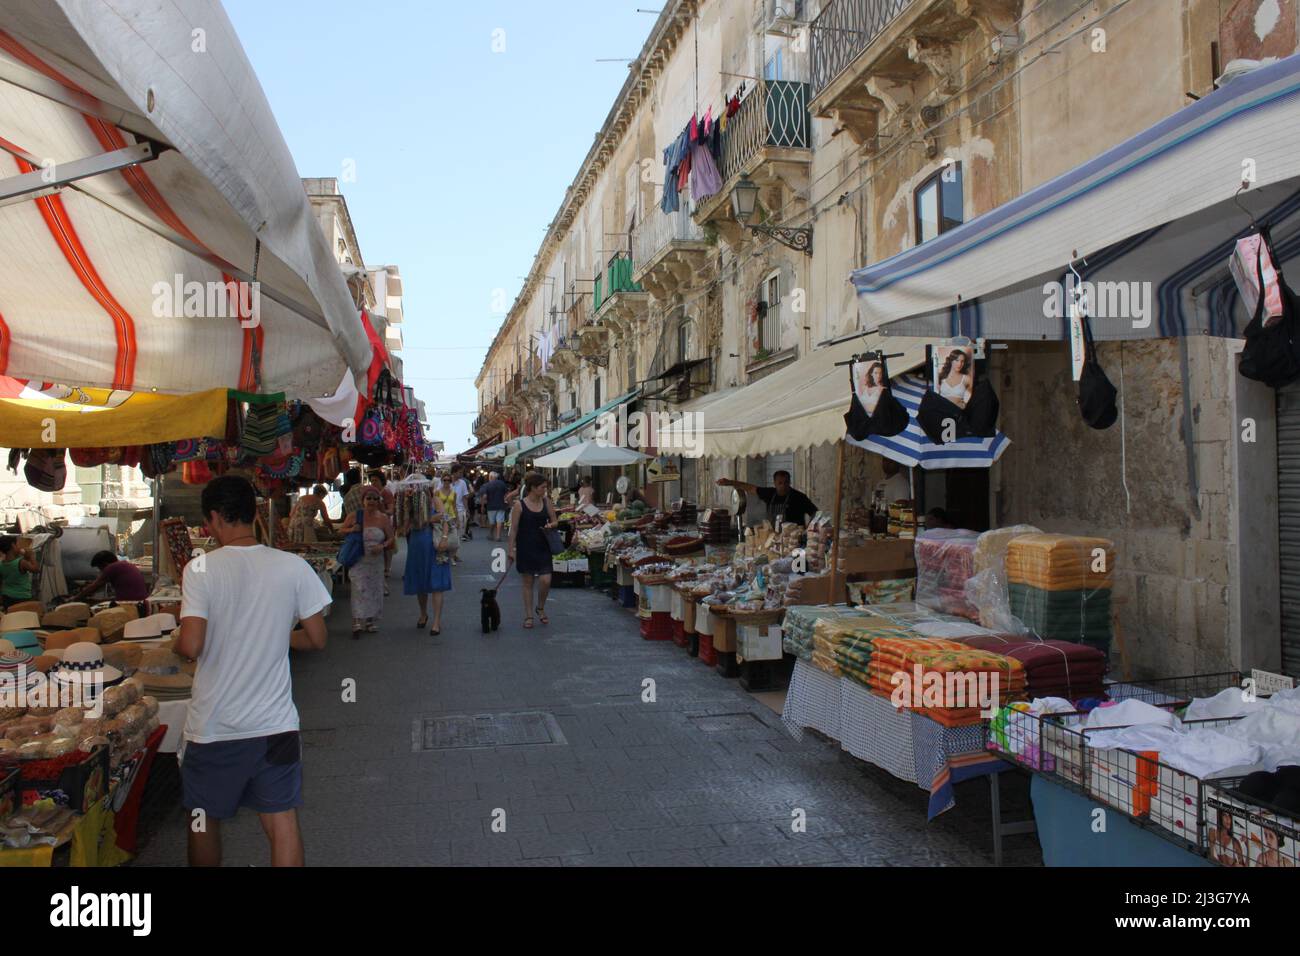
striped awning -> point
(170, 183)
(1154, 217)
(912, 447)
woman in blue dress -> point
(428, 564)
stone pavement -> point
(627, 783)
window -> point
(769, 294)
(596, 389)
(631, 368)
(939, 203)
(772, 69)
(684, 341)
(573, 399)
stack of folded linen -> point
(1060, 586)
(957, 684)
(843, 645)
(1052, 668)
(797, 628)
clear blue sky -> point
(462, 154)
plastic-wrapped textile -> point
(945, 560)
(986, 589)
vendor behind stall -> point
(782, 501)
(127, 581)
(897, 485)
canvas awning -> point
(153, 161)
(63, 417)
(798, 406)
(1154, 217)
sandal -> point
(541, 616)
(372, 628)
(422, 623)
(356, 632)
(528, 623)
(434, 631)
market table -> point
(908, 745)
(1065, 831)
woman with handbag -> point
(429, 552)
(367, 575)
(533, 539)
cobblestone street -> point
(625, 782)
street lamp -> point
(744, 202)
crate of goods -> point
(76, 780)
(758, 642)
(600, 576)
(1123, 779)
(1254, 820)
(716, 527)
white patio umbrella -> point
(591, 453)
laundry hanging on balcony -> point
(693, 158)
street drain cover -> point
(464, 731)
(729, 723)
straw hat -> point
(44, 663)
(23, 640)
(67, 615)
(124, 655)
(112, 622)
(20, 621)
(58, 640)
(144, 629)
(162, 669)
(34, 607)
(82, 664)
(166, 622)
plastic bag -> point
(945, 559)
(987, 589)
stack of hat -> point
(163, 675)
(112, 621)
(15, 667)
(125, 656)
(83, 664)
(56, 642)
(20, 629)
(66, 616)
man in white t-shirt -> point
(241, 746)
(461, 487)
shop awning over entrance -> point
(141, 174)
(570, 434)
(798, 406)
(1153, 216)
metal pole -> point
(157, 522)
(835, 541)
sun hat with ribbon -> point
(144, 629)
(83, 664)
(23, 640)
(20, 621)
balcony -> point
(876, 64)
(618, 300)
(669, 249)
(769, 140)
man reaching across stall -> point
(782, 501)
(241, 746)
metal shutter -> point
(1288, 523)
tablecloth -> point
(908, 745)
(1066, 833)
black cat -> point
(489, 610)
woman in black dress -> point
(530, 518)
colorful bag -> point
(263, 426)
(353, 547)
(46, 469)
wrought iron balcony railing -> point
(658, 231)
(774, 114)
(843, 30)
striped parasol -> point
(912, 447)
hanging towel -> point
(705, 179)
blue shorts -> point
(263, 774)
(496, 517)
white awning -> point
(800, 405)
(1154, 216)
(88, 280)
